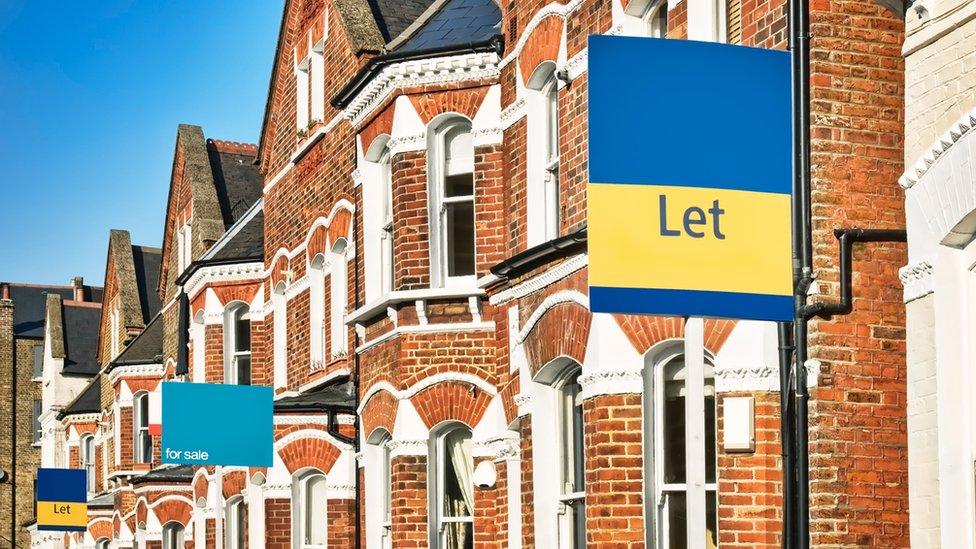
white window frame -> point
(173, 535)
(550, 97)
(184, 247)
(235, 535)
(542, 153)
(37, 431)
(435, 485)
(300, 514)
(279, 307)
(572, 498)
(86, 460)
(232, 356)
(338, 298)
(651, 19)
(302, 111)
(656, 511)
(317, 81)
(379, 486)
(316, 313)
(102, 543)
(438, 168)
(386, 227)
(140, 429)
(113, 326)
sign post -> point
(689, 197)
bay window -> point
(237, 344)
(309, 517)
(141, 439)
(451, 155)
(451, 489)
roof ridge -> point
(233, 147)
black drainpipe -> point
(802, 269)
(786, 348)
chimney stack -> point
(4, 291)
(78, 284)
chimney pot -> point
(78, 284)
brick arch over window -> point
(317, 242)
(142, 510)
(236, 292)
(464, 102)
(171, 510)
(234, 483)
(451, 400)
(381, 124)
(379, 413)
(562, 331)
(646, 331)
(100, 528)
(339, 226)
(200, 485)
(542, 45)
(131, 523)
(279, 271)
(309, 452)
(508, 394)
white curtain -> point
(458, 446)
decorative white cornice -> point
(611, 382)
(917, 280)
(420, 72)
(482, 137)
(558, 298)
(136, 370)
(513, 113)
(357, 177)
(301, 420)
(447, 327)
(541, 281)
(759, 377)
(340, 491)
(81, 418)
(297, 287)
(941, 146)
(407, 143)
(504, 448)
(214, 274)
(576, 65)
(277, 491)
(416, 447)
(523, 404)
(147, 489)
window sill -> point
(375, 307)
(314, 136)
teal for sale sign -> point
(214, 424)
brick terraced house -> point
(403, 259)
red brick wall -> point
(409, 511)
(277, 519)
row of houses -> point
(403, 259)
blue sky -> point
(91, 92)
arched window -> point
(543, 154)
(338, 298)
(573, 466)
(87, 458)
(386, 229)
(452, 203)
(309, 517)
(656, 19)
(234, 523)
(451, 488)
(102, 543)
(141, 439)
(379, 486)
(173, 536)
(316, 313)
(665, 410)
(237, 344)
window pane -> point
(457, 535)
(315, 514)
(38, 360)
(676, 516)
(674, 431)
(459, 185)
(458, 489)
(710, 442)
(460, 239)
(38, 408)
(243, 369)
(242, 331)
(711, 524)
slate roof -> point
(394, 16)
(89, 401)
(80, 339)
(146, 348)
(339, 395)
(179, 473)
(30, 305)
(101, 501)
(238, 182)
(454, 23)
(147, 263)
(246, 243)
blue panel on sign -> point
(62, 485)
(692, 114)
(690, 303)
(212, 424)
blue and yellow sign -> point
(62, 500)
(690, 179)
(214, 424)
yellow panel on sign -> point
(689, 238)
(62, 513)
